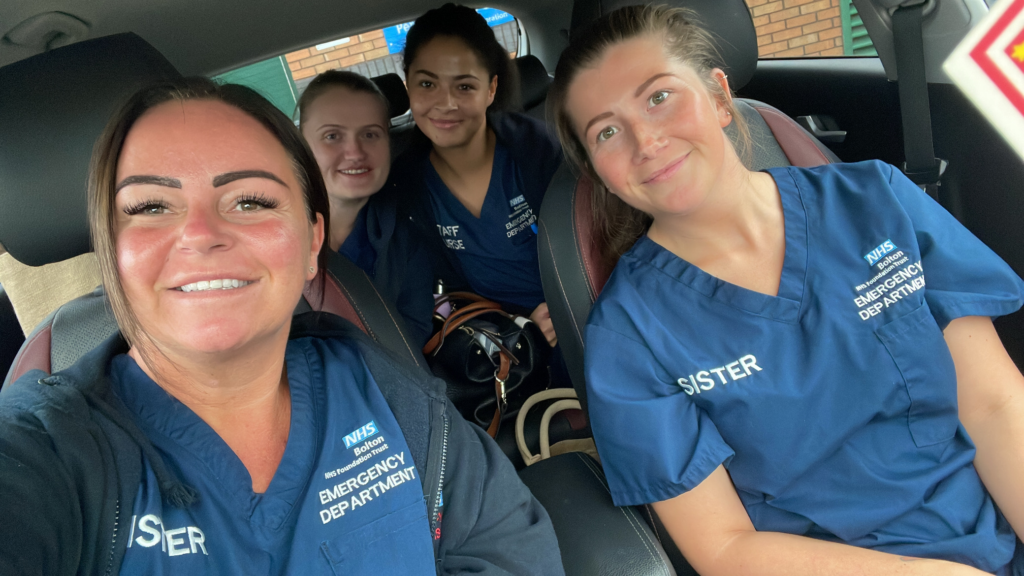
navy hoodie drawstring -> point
(176, 492)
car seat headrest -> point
(728, 21)
(533, 80)
(394, 90)
(55, 106)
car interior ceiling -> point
(858, 95)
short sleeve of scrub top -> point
(636, 416)
(965, 277)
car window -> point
(809, 28)
(283, 78)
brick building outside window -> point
(785, 29)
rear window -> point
(283, 78)
(809, 28)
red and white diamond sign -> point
(988, 66)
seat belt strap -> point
(922, 167)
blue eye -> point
(657, 98)
(607, 133)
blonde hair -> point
(617, 224)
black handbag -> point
(492, 361)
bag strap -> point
(457, 318)
(453, 296)
(567, 400)
(500, 375)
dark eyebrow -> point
(648, 83)
(597, 118)
(426, 72)
(464, 76)
(241, 174)
(145, 179)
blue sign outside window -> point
(395, 35)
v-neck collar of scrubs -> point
(783, 307)
(444, 193)
(160, 413)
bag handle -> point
(506, 359)
(569, 402)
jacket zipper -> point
(440, 482)
(113, 539)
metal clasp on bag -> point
(501, 384)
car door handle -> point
(816, 126)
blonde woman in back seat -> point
(344, 118)
(217, 434)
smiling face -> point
(449, 92)
(212, 238)
(651, 129)
(348, 133)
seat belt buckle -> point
(928, 176)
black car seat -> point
(402, 125)
(55, 106)
(572, 270)
(534, 82)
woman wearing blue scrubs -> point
(215, 433)
(344, 118)
(476, 175)
(796, 367)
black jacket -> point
(71, 465)
(534, 149)
(402, 271)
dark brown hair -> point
(103, 173)
(466, 24)
(340, 79)
(619, 225)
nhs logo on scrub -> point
(360, 434)
(876, 254)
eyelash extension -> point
(257, 198)
(138, 207)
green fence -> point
(855, 36)
(271, 78)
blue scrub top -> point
(833, 404)
(498, 250)
(346, 497)
(357, 247)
